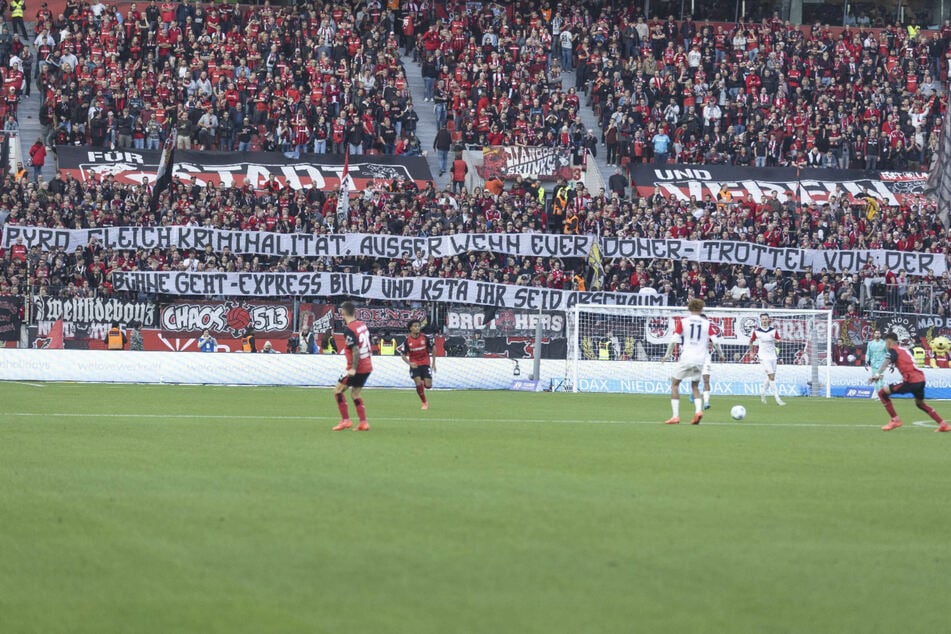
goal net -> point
(619, 349)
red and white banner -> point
(229, 318)
(807, 185)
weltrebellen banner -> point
(807, 185)
(88, 311)
(518, 244)
(425, 289)
(323, 171)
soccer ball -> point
(738, 412)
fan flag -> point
(343, 198)
(596, 266)
(163, 177)
(939, 180)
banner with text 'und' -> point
(519, 244)
(321, 171)
(406, 289)
(808, 185)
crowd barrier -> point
(391, 372)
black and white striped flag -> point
(939, 180)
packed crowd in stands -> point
(329, 77)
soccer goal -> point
(619, 349)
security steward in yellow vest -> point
(248, 342)
(17, 8)
(387, 346)
(919, 355)
(328, 345)
(115, 338)
(604, 349)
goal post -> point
(621, 347)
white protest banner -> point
(785, 258)
(517, 244)
(426, 289)
(300, 244)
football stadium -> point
(426, 316)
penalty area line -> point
(424, 419)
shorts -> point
(915, 389)
(357, 380)
(768, 365)
(423, 372)
(688, 372)
(707, 367)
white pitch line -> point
(424, 418)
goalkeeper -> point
(875, 355)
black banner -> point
(759, 183)
(255, 169)
(464, 320)
(506, 348)
(10, 318)
(87, 311)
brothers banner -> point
(322, 171)
(757, 183)
(426, 289)
(465, 320)
(518, 244)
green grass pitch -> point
(224, 509)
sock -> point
(342, 406)
(706, 397)
(930, 411)
(361, 410)
(766, 387)
(675, 407)
(421, 390)
(887, 402)
(698, 405)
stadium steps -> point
(591, 123)
(28, 118)
(426, 126)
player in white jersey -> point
(693, 333)
(764, 339)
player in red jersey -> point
(913, 382)
(359, 365)
(417, 352)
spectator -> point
(459, 171)
(37, 158)
(661, 146)
(207, 343)
(442, 144)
